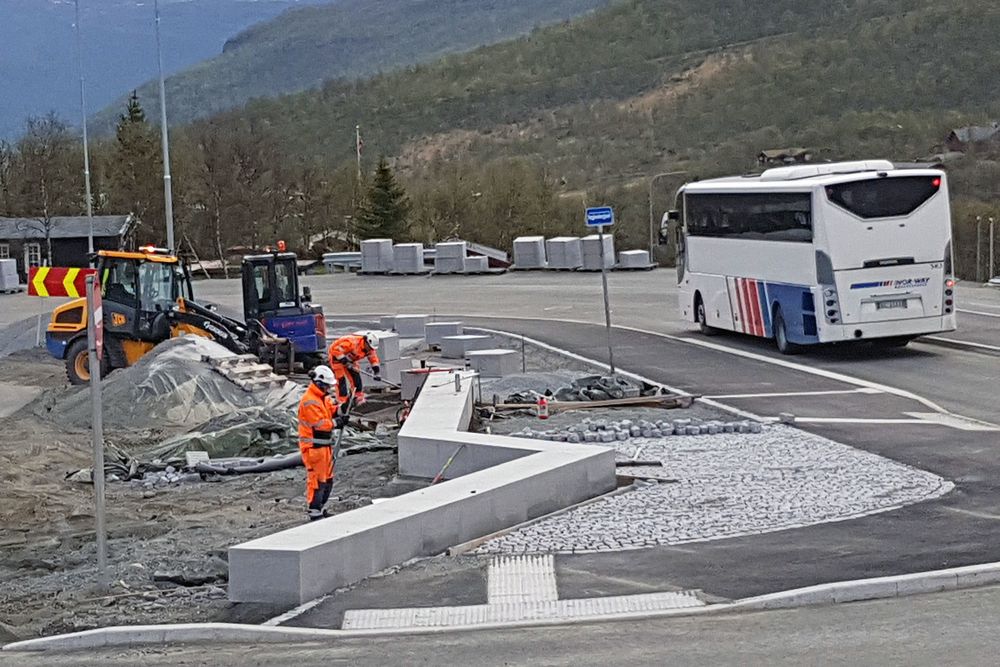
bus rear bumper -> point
(924, 326)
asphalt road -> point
(955, 628)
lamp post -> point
(652, 230)
(86, 150)
(168, 199)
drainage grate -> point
(427, 617)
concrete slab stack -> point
(376, 256)
(594, 253)
(408, 258)
(494, 363)
(529, 252)
(456, 347)
(387, 322)
(435, 331)
(450, 257)
(564, 252)
(634, 259)
(477, 264)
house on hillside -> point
(782, 156)
(27, 239)
(960, 139)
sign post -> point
(95, 345)
(599, 217)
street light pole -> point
(168, 199)
(86, 149)
(652, 230)
(992, 273)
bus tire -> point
(702, 318)
(781, 334)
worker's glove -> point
(376, 373)
(341, 422)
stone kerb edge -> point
(499, 481)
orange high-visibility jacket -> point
(354, 348)
(316, 419)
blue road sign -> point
(600, 216)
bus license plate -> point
(895, 303)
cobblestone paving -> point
(717, 486)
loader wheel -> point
(77, 362)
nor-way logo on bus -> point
(906, 283)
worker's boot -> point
(317, 514)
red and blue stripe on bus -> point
(754, 301)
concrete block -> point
(633, 259)
(450, 257)
(564, 252)
(435, 331)
(410, 326)
(456, 347)
(408, 258)
(388, 345)
(477, 264)
(376, 256)
(310, 560)
(494, 363)
(529, 252)
(9, 280)
(387, 322)
(594, 253)
(410, 384)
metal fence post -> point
(992, 256)
(979, 248)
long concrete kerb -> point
(934, 581)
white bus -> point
(818, 254)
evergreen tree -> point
(385, 210)
(135, 170)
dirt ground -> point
(167, 546)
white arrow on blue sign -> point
(600, 216)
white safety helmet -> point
(323, 375)
(372, 339)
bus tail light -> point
(949, 295)
(832, 304)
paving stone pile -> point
(605, 431)
(722, 485)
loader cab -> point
(139, 289)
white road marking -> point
(521, 579)
(964, 343)
(859, 420)
(862, 390)
(980, 304)
(977, 312)
(954, 421)
(294, 613)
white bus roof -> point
(806, 176)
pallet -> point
(488, 272)
(528, 268)
(245, 371)
(408, 273)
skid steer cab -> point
(274, 306)
(147, 298)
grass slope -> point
(346, 39)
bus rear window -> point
(884, 197)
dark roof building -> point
(26, 240)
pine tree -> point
(385, 210)
(135, 170)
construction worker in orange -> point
(345, 354)
(317, 421)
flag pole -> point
(357, 146)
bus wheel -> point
(699, 309)
(781, 334)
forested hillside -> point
(304, 47)
(517, 137)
